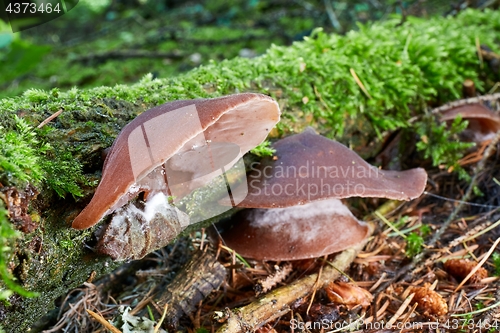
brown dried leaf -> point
(348, 294)
(460, 268)
(429, 302)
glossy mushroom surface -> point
(308, 167)
(139, 159)
(299, 232)
(295, 195)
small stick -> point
(460, 102)
(407, 317)
(103, 321)
(360, 84)
(469, 88)
(145, 301)
(473, 100)
(331, 15)
(46, 121)
(382, 309)
(158, 326)
(400, 311)
(316, 285)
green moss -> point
(442, 144)
(37, 96)
(496, 263)
(20, 153)
(264, 149)
(64, 175)
(415, 241)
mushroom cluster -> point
(295, 196)
(171, 150)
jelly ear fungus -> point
(166, 153)
(297, 232)
(295, 195)
(168, 142)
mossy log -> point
(48, 174)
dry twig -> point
(103, 321)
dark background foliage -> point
(105, 42)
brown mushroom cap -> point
(308, 167)
(483, 123)
(145, 144)
(299, 232)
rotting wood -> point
(492, 99)
(277, 302)
(194, 282)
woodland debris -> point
(89, 296)
(460, 268)
(194, 282)
(103, 321)
(429, 301)
(272, 280)
(348, 294)
(278, 302)
(451, 217)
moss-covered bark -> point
(402, 68)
